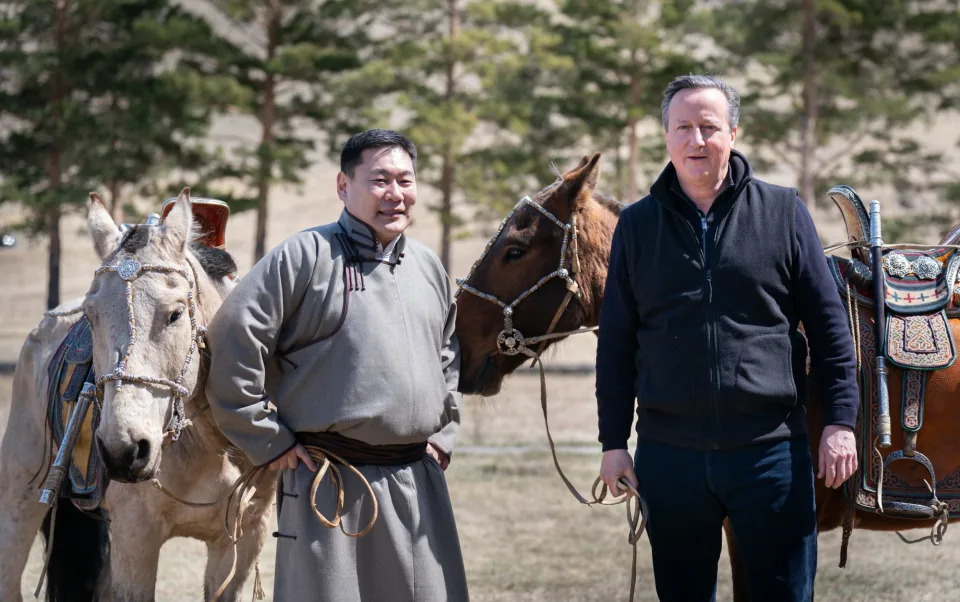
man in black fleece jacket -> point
(710, 277)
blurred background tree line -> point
(118, 96)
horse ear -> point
(103, 230)
(583, 177)
(178, 223)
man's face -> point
(381, 192)
(699, 137)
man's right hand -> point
(617, 463)
(289, 460)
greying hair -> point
(693, 82)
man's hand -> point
(442, 458)
(289, 460)
(617, 463)
(837, 455)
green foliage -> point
(625, 53)
(117, 95)
(116, 100)
(287, 56)
(97, 95)
(874, 75)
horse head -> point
(544, 270)
(147, 306)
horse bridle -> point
(130, 269)
(511, 341)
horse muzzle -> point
(484, 380)
(129, 461)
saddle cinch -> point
(72, 366)
(921, 297)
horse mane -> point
(608, 202)
(217, 263)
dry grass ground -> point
(524, 538)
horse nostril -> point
(143, 451)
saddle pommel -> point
(211, 215)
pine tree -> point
(94, 96)
(832, 86)
(626, 51)
(471, 81)
(289, 59)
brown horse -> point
(527, 249)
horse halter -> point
(511, 341)
(130, 269)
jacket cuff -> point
(843, 416)
(614, 444)
(280, 444)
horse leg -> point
(740, 592)
(135, 542)
(21, 514)
(22, 455)
(221, 555)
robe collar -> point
(364, 241)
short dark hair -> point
(694, 81)
(351, 154)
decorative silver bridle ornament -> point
(129, 269)
(511, 341)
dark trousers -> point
(767, 492)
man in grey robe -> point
(341, 338)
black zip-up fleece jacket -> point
(700, 316)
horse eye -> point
(175, 316)
(514, 253)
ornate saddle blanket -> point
(903, 482)
(918, 296)
(71, 367)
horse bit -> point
(511, 341)
(130, 269)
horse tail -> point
(81, 551)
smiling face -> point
(699, 137)
(381, 191)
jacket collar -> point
(740, 173)
(364, 240)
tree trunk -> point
(267, 122)
(52, 211)
(52, 219)
(808, 144)
(449, 153)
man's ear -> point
(342, 186)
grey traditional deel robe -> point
(387, 375)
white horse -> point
(150, 347)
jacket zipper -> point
(714, 352)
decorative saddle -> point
(921, 298)
(72, 366)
